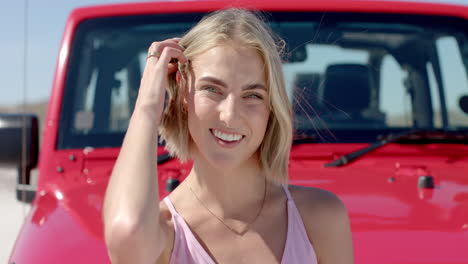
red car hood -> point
(393, 220)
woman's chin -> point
(227, 161)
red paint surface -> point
(393, 221)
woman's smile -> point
(227, 140)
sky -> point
(45, 22)
(45, 25)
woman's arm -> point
(132, 225)
(131, 211)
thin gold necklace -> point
(247, 227)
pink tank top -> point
(187, 249)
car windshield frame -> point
(67, 139)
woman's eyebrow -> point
(213, 80)
(223, 84)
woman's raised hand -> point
(162, 61)
(131, 219)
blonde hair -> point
(248, 29)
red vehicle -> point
(380, 97)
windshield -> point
(350, 77)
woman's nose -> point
(228, 111)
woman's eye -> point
(210, 89)
(254, 96)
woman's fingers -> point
(158, 47)
(172, 67)
(167, 53)
(162, 60)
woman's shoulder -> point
(325, 219)
(319, 209)
(317, 202)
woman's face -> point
(228, 107)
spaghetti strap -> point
(169, 204)
(298, 248)
(187, 248)
(286, 190)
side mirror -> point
(19, 148)
(19, 140)
(463, 103)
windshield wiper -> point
(412, 135)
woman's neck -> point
(228, 191)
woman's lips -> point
(224, 143)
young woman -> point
(228, 111)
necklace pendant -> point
(242, 230)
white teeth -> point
(226, 137)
